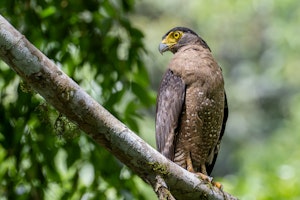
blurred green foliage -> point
(257, 45)
(42, 154)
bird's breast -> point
(199, 127)
(195, 64)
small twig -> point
(161, 189)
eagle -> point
(191, 107)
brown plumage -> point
(191, 110)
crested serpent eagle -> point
(191, 108)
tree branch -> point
(68, 98)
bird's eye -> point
(176, 35)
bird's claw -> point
(204, 177)
(217, 184)
(210, 180)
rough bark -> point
(69, 99)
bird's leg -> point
(214, 183)
(189, 164)
(203, 169)
(190, 168)
(203, 175)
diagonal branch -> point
(68, 98)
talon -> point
(217, 184)
(210, 180)
(205, 177)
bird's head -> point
(178, 37)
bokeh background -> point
(110, 49)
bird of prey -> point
(191, 108)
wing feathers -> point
(170, 100)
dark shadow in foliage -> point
(33, 136)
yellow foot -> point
(204, 177)
(209, 180)
(217, 184)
